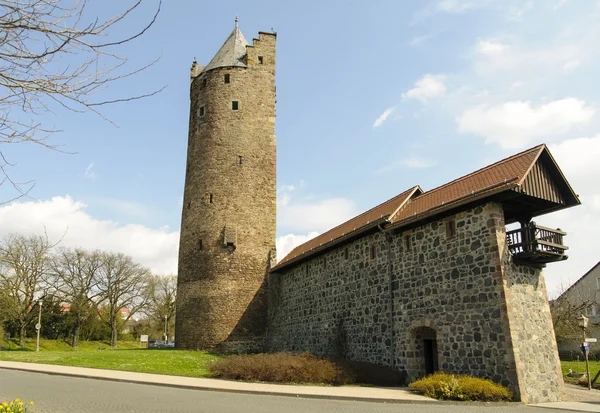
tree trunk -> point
(113, 335)
(76, 329)
(22, 326)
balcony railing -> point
(535, 244)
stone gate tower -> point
(228, 220)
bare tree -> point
(54, 56)
(570, 304)
(74, 277)
(23, 267)
(162, 292)
(122, 284)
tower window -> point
(372, 252)
(201, 111)
(407, 242)
(209, 198)
(227, 79)
(240, 160)
(346, 253)
(200, 246)
(203, 83)
(260, 60)
(235, 105)
(450, 228)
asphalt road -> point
(59, 394)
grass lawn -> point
(97, 354)
(579, 367)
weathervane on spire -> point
(236, 21)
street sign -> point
(591, 340)
(144, 338)
(38, 326)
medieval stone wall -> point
(229, 205)
(452, 283)
(530, 320)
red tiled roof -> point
(414, 205)
(354, 226)
(510, 171)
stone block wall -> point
(423, 284)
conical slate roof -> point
(231, 53)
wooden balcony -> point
(536, 245)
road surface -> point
(59, 394)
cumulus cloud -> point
(516, 124)
(67, 218)
(571, 65)
(286, 243)
(383, 117)
(489, 47)
(309, 215)
(429, 86)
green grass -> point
(128, 357)
(579, 367)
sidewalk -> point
(373, 394)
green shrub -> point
(446, 386)
(281, 368)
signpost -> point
(585, 347)
(143, 339)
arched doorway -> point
(426, 338)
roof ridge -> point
(404, 193)
(485, 168)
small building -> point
(581, 298)
(433, 280)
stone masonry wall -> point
(230, 194)
(451, 284)
(536, 353)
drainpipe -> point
(388, 238)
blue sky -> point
(373, 98)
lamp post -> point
(166, 335)
(583, 323)
(38, 326)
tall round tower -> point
(229, 204)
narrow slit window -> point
(201, 111)
(227, 78)
(372, 252)
(235, 105)
(200, 246)
(450, 228)
(325, 262)
(407, 242)
(240, 159)
(346, 253)
(260, 60)
(210, 198)
(203, 83)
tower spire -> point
(236, 21)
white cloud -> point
(489, 47)
(571, 65)
(559, 4)
(383, 117)
(286, 243)
(413, 161)
(315, 216)
(429, 86)
(419, 40)
(516, 124)
(156, 249)
(89, 173)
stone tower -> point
(229, 204)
